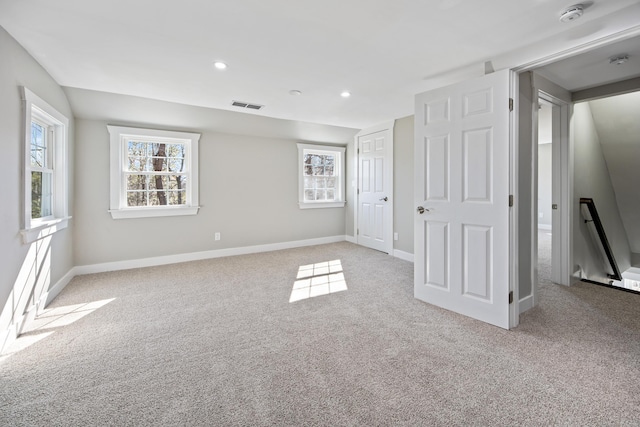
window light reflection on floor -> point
(47, 322)
(322, 278)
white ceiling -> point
(383, 51)
(593, 68)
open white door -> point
(462, 198)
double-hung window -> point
(153, 172)
(45, 166)
(321, 176)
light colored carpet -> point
(217, 342)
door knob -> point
(421, 210)
(384, 199)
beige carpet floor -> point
(218, 343)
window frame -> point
(119, 135)
(339, 168)
(35, 109)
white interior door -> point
(375, 191)
(462, 188)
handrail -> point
(591, 216)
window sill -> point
(153, 212)
(40, 230)
(317, 205)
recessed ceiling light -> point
(345, 94)
(295, 92)
(220, 65)
(572, 13)
(619, 59)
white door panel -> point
(375, 182)
(462, 181)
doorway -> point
(552, 191)
(544, 243)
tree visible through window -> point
(153, 172)
(321, 171)
(320, 177)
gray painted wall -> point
(591, 179)
(618, 127)
(248, 186)
(403, 182)
(54, 258)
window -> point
(153, 172)
(45, 177)
(321, 176)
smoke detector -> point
(572, 13)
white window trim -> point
(35, 229)
(341, 177)
(118, 205)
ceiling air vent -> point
(246, 105)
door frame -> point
(562, 172)
(562, 189)
(514, 123)
(566, 158)
(562, 182)
(388, 127)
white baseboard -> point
(544, 226)
(351, 239)
(403, 255)
(525, 303)
(197, 256)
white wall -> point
(591, 179)
(26, 271)
(248, 183)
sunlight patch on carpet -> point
(322, 278)
(21, 343)
(50, 319)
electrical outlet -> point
(395, 236)
(217, 236)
